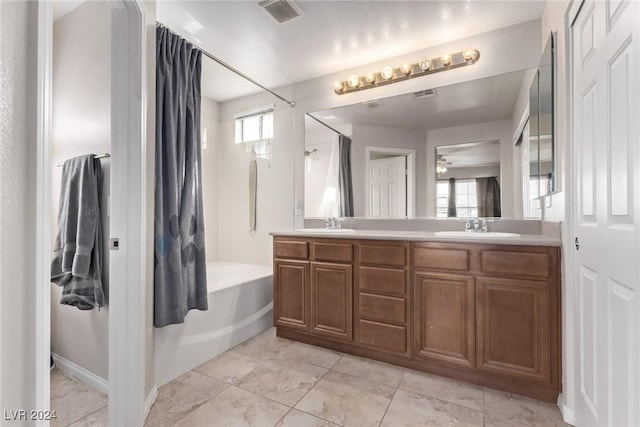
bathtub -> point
(240, 306)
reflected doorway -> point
(390, 182)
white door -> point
(605, 53)
(388, 187)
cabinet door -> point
(444, 318)
(291, 298)
(331, 300)
(513, 319)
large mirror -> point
(445, 151)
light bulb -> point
(338, 86)
(353, 81)
(370, 78)
(445, 59)
(406, 69)
(424, 65)
(469, 54)
(387, 72)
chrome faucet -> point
(333, 223)
(476, 225)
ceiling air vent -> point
(424, 93)
(281, 10)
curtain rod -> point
(324, 124)
(230, 68)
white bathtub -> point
(240, 306)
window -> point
(466, 200)
(255, 129)
(442, 198)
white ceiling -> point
(473, 154)
(331, 36)
(476, 101)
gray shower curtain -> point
(344, 176)
(180, 280)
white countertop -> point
(428, 236)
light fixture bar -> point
(390, 75)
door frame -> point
(129, 148)
(411, 175)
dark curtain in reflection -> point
(344, 176)
(451, 208)
(488, 193)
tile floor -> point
(76, 404)
(271, 381)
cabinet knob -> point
(431, 327)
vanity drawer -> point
(342, 252)
(383, 280)
(383, 255)
(383, 336)
(290, 249)
(441, 258)
(531, 264)
(382, 308)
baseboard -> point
(568, 413)
(150, 400)
(81, 373)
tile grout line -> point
(391, 400)
(199, 406)
(86, 415)
(308, 391)
(283, 417)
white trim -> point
(411, 176)
(150, 400)
(568, 415)
(255, 112)
(569, 361)
(572, 11)
(87, 377)
(521, 124)
(127, 267)
(42, 295)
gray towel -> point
(77, 254)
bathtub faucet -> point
(333, 223)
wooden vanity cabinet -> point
(444, 323)
(493, 308)
(382, 309)
(313, 287)
(486, 314)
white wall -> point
(210, 174)
(500, 130)
(150, 17)
(389, 137)
(275, 185)
(470, 172)
(321, 170)
(558, 205)
(81, 119)
(18, 204)
(504, 50)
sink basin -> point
(327, 230)
(486, 235)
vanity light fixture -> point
(353, 81)
(406, 71)
(387, 73)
